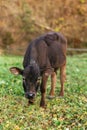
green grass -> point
(67, 113)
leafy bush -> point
(7, 38)
(26, 20)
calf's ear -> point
(16, 71)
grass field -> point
(67, 113)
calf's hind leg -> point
(62, 78)
(53, 85)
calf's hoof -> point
(42, 104)
(61, 94)
(51, 97)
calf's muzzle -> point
(30, 95)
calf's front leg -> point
(43, 90)
(53, 85)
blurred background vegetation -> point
(23, 20)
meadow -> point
(66, 113)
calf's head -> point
(31, 81)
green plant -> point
(67, 113)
